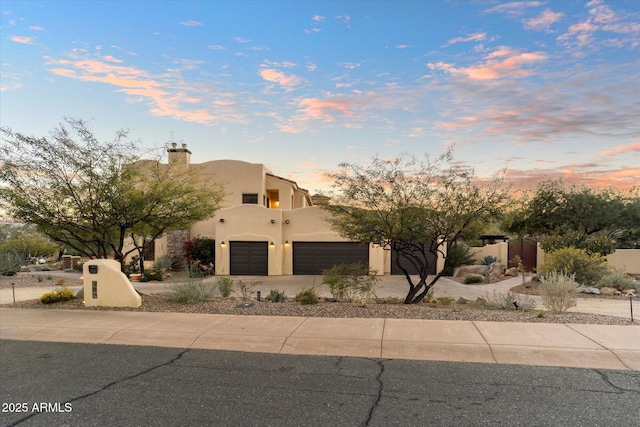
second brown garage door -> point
(313, 257)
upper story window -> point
(273, 199)
(250, 198)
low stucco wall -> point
(626, 260)
(106, 286)
(499, 250)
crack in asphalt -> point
(380, 364)
(608, 380)
(106, 387)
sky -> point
(543, 89)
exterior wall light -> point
(271, 244)
(286, 221)
(273, 221)
(222, 243)
(221, 219)
(286, 242)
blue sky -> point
(545, 89)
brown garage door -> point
(431, 258)
(249, 258)
(313, 257)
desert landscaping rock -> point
(385, 308)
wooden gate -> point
(526, 249)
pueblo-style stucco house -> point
(268, 226)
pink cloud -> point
(602, 18)
(275, 76)
(326, 108)
(544, 21)
(622, 149)
(111, 59)
(22, 39)
(470, 38)
(166, 94)
(511, 66)
(512, 9)
(622, 179)
(306, 165)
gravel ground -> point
(383, 309)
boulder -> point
(588, 290)
(495, 273)
(482, 300)
(606, 290)
(460, 272)
(511, 272)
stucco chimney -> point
(180, 156)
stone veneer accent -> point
(175, 240)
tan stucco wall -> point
(237, 177)
(113, 287)
(285, 191)
(499, 250)
(625, 260)
(251, 223)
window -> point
(250, 198)
(273, 200)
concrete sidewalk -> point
(543, 344)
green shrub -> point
(472, 278)
(133, 266)
(151, 274)
(588, 269)
(558, 291)
(163, 263)
(10, 263)
(192, 292)
(457, 256)
(352, 282)
(307, 296)
(446, 301)
(194, 271)
(488, 260)
(618, 281)
(225, 286)
(40, 279)
(276, 296)
(64, 294)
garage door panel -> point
(313, 257)
(249, 258)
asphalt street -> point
(56, 384)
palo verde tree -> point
(580, 217)
(92, 196)
(26, 241)
(415, 206)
